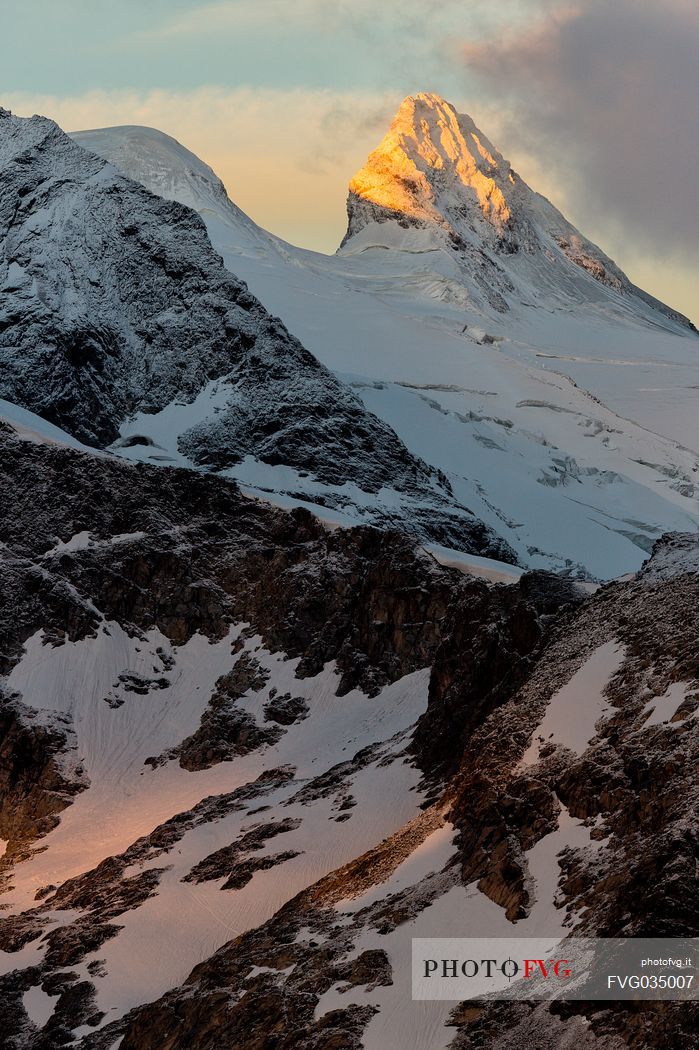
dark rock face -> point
(286, 709)
(485, 655)
(194, 555)
(202, 557)
(225, 730)
(35, 785)
(237, 862)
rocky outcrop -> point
(488, 648)
(237, 863)
(37, 777)
(225, 730)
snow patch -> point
(39, 1005)
(487, 568)
(573, 712)
(661, 709)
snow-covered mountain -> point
(245, 755)
(505, 349)
(119, 324)
(437, 184)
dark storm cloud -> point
(607, 93)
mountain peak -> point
(157, 159)
(436, 182)
(431, 150)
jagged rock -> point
(235, 862)
(36, 782)
(286, 709)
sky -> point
(593, 102)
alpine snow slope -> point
(115, 308)
(504, 348)
(246, 758)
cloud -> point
(285, 156)
(209, 19)
(603, 96)
(364, 16)
(353, 42)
